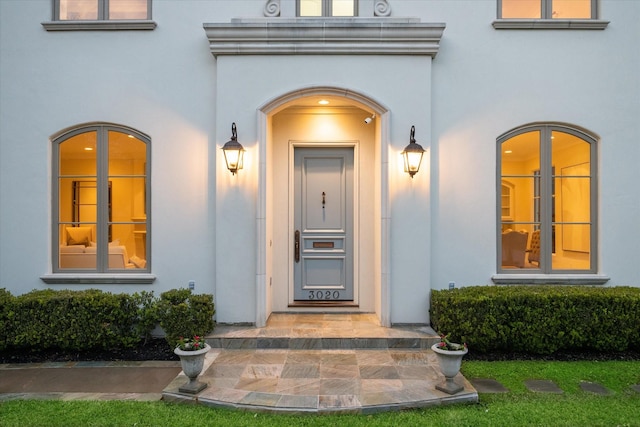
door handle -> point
(296, 246)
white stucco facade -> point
(449, 72)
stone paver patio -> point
(322, 363)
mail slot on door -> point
(323, 245)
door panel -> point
(323, 204)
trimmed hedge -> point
(539, 319)
(75, 320)
(82, 320)
(6, 316)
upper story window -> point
(92, 10)
(549, 14)
(326, 8)
(547, 197)
(547, 9)
(310, 8)
(100, 15)
(101, 199)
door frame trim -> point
(263, 304)
(293, 144)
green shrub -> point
(539, 319)
(7, 303)
(93, 319)
(183, 314)
(147, 317)
(77, 320)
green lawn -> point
(517, 408)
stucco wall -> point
(159, 82)
(265, 78)
(482, 83)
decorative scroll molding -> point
(382, 8)
(272, 8)
(307, 36)
(550, 24)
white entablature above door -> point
(321, 36)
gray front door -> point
(323, 236)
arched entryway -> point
(323, 118)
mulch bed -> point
(155, 349)
(559, 356)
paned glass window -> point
(547, 193)
(547, 9)
(334, 8)
(101, 188)
(96, 10)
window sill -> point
(99, 25)
(97, 279)
(549, 24)
(549, 279)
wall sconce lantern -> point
(412, 154)
(233, 152)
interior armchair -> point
(514, 248)
(534, 248)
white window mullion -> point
(103, 201)
(593, 215)
(546, 9)
(103, 10)
(546, 198)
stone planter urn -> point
(192, 363)
(449, 362)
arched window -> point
(547, 200)
(101, 199)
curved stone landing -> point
(298, 381)
(321, 363)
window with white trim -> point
(101, 199)
(101, 10)
(550, 171)
(547, 9)
(327, 8)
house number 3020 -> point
(324, 295)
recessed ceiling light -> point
(323, 102)
(88, 148)
(508, 151)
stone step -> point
(321, 332)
